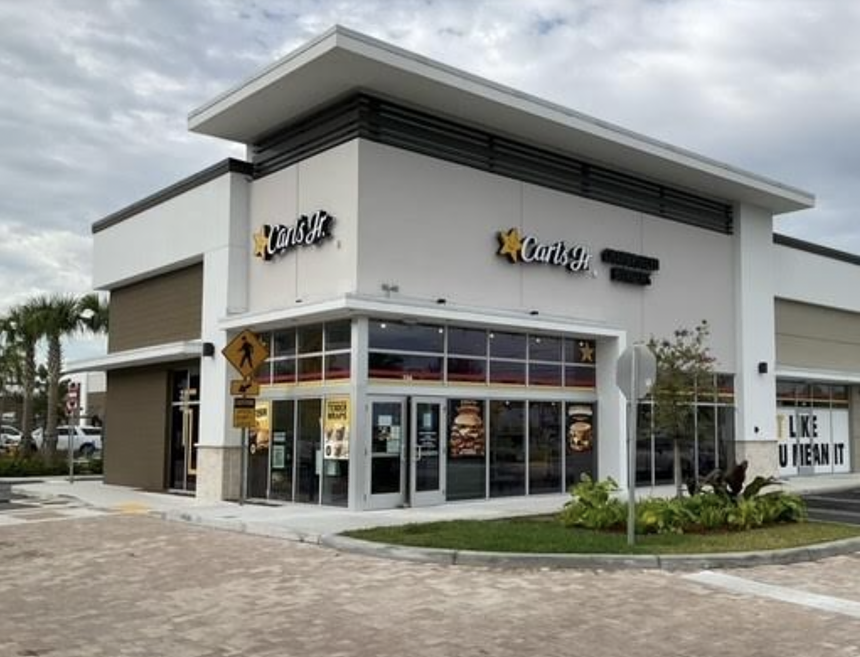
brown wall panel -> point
(165, 308)
(135, 448)
(816, 337)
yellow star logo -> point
(260, 242)
(586, 352)
(511, 244)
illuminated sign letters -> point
(272, 240)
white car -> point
(86, 440)
(10, 437)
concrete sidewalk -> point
(307, 522)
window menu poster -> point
(580, 428)
(336, 428)
(260, 436)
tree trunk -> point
(679, 484)
(54, 366)
(28, 377)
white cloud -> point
(95, 95)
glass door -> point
(184, 422)
(427, 448)
(387, 453)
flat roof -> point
(342, 61)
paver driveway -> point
(136, 585)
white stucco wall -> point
(431, 227)
(328, 181)
(166, 236)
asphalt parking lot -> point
(133, 584)
(835, 506)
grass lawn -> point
(546, 534)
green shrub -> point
(663, 516)
(36, 466)
(593, 506)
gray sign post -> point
(635, 373)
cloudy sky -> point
(94, 94)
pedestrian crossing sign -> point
(246, 352)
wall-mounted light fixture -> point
(388, 288)
(440, 300)
(533, 312)
(208, 349)
(762, 367)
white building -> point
(444, 272)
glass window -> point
(386, 438)
(467, 342)
(337, 366)
(308, 445)
(467, 370)
(706, 441)
(281, 461)
(284, 371)
(725, 389)
(578, 376)
(338, 335)
(404, 366)
(706, 390)
(257, 461)
(507, 448)
(644, 446)
(840, 396)
(284, 343)
(580, 351)
(544, 447)
(542, 347)
(466, 465)
(310, 369)
(263, 375)
(508, 372)
(580, 437)
(544, 374)
(406, 337)
(335, 481)
(507, 345)
(820, 394)
(725, 437)
(310, 339)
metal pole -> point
(70, 449)
(631, 454)
(243, 474)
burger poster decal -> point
(529, 249)
(467, 429)
(277, 239)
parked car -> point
(10, 437)
(86, 440)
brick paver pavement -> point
(135, 585)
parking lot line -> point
(781, 593)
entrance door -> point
(184, 422)
(427, 448)
(387, 452)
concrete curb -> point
(240, 526)
(669, 562)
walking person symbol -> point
(247, 350)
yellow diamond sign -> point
(246, 352)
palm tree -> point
(94, 312)
(60, 316)
(22, 328)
